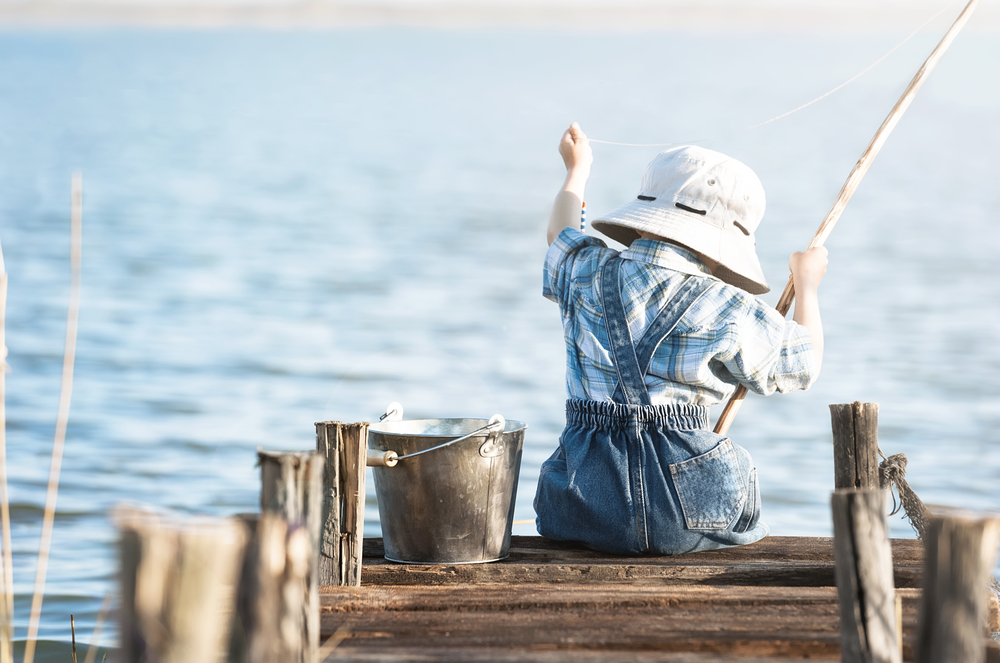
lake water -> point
(288, 227)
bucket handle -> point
(495, 427)
(393, 412)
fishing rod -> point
(853, 180)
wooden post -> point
(291, 489)
(178, 582)
(959, 558)
(344, 447)
(273, 602)
(868, 620)
(855, 445)
(291, 485)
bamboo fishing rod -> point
(853, 180)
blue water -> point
(288, 227)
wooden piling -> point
(344, 448)
(278, 623)
(292, 491)
(959, 558)
(291, 485)
(869, 629)
(855, 445)
(178, 582)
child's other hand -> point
(575, 149)
(808, 267)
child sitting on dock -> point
(654, 336)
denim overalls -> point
(629, 477)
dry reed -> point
(66, 392)
(6, 627)
(7, 573)
(333, 642)
(98, 628)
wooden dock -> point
(300, 573)
(769, 601)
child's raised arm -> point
(808, 268)
(575, 150)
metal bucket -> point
(448, 505)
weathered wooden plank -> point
(391, 654)
(743, 621)
(461, 622)
(855, 444)
(522, 655)
(538, 655)
(774, 561)
(605, 596)
(792, 548)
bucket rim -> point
(435, 562)
(392, 427)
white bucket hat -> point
(704, 200)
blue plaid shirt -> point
(728, 336)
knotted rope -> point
(892, 474)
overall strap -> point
(666, 321)
(632, 362)
(631, 388)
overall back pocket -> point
(711, 488)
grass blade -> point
(69, 358)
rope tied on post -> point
(892, 474)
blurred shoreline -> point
(721, 15)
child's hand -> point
(575, 149)
(808, 267)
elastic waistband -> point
(605, 414)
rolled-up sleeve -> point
(558, 269)
(769, 353)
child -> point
(656, 334)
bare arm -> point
(808, 268)
(575, 150)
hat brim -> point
(713, 238)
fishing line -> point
(794, 110)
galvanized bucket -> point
(446, 487)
